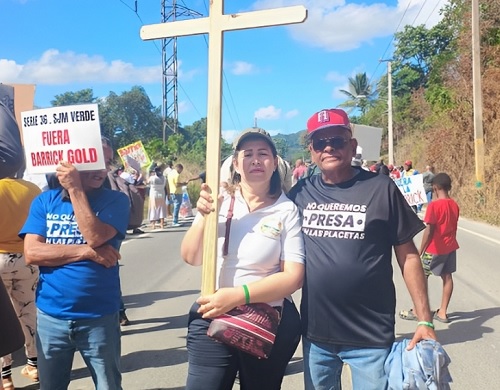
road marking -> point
(480, 235)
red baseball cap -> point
(332, 117)
(408, 163)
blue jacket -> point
(424, 367)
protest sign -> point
(412, 188)
(135, 151)
(66, 133)
(369, 140)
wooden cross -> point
(215, 25)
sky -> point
(276, 77)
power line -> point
(136, 12)
(421, 8)
(389, 44)
(227, 84)
(432, 12)
(399, 24)
(201, 116)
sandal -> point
(7, 383)
(408, 315)
(30, 372)
(443, 320)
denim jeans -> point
(176, 201)
(429, 196)
(97, 339)
(323, 364)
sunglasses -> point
(335, 142)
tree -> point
(281, 147)
(157, 150)
(69, 98)
(130, 117)
(195, 142)
(360, 93)
(417, 51)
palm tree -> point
(360, 93)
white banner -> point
(412, 188)
(67, 133)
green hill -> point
(290, 146)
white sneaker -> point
(176, 225)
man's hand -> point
(68, 175)
(105, 255)
(423, 332)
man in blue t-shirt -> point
(351, 220)
(73, 234)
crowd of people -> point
(331, 232)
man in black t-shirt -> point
(351, 221)
(202, 176)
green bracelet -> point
(247, 294)
(425, 323)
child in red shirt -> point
(438, 249)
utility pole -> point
(390, 136)
(477, 96)
(170, 12)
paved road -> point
(159, 288)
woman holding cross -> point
(260, 258)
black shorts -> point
(439, 264)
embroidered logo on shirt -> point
(271, 227)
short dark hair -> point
(442, 181)
(384, 170)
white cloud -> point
(181, 73)
(337, 25)
(242, 68)
(183, 107)
(336, 94)
(336, 77)
(269, 112)
(56, 68)
(340, 81)
(291, 114)
(9, 70)
(230, 135)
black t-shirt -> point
(349, 230)
(203, 177)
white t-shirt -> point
(258, 241)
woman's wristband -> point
(247, 294)
(426, 323)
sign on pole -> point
(369, 139)
(66, 133)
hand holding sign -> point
(68, 176)
(68, 133)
